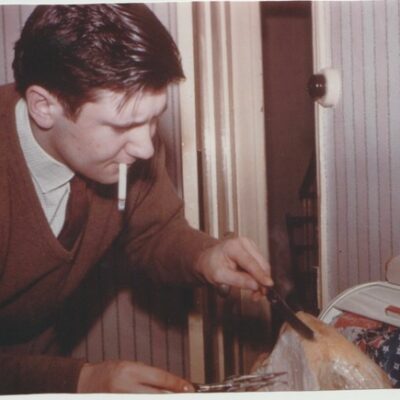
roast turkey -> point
(329, 361)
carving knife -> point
(288, 314)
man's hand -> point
(236, 262)
(128, 377)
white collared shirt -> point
(50, 178)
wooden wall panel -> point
(11, 22)
(361, 151)
(117, 315)
(2, 47)
(393, 60)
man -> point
(90, 85)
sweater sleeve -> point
(159, 239)
(38, 374)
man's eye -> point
(123, 129)
(118, 129)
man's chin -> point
(104, 176)
(105, 180)
(108, 181)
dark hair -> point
(74, 50)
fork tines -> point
(240, 383)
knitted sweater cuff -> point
(39, 374)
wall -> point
(359, 141)
(148, 323)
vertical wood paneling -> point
(383, 142)
(364, 179)
(357, 265)
(2, 47)
(350, 183)
(25, 11)
(393, 38)
(169, 125)
(12, 26)
(194, 341)
(332, 232)
(122, 316)
(371, 137)
(340, 165)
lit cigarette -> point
(122, 187)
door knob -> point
(324, 87)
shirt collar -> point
(48, 173)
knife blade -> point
(288, 314)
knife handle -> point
(272, 295)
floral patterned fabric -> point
(380, 341)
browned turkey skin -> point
(329, 361)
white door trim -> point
(221, 48)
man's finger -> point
(257, 296)
(157, 378)
(247, 262)
(251, 247)
(239, 279)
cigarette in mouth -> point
(122, 186)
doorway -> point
(290, 152)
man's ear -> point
(43, 107)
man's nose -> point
(140, 144)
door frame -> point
(222, 124)
(321, 28)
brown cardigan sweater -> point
(37, 275)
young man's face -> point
(105, 135)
